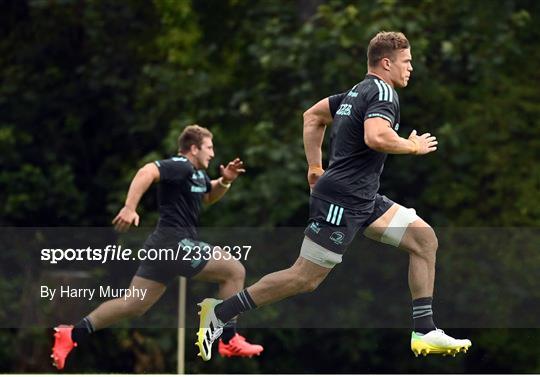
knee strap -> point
(398, 225)
(319, 255)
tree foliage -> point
(91, 90)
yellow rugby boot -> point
(437, 342)
(210, 328)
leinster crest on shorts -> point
(337, 238)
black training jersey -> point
(354, 169)
(180, 192)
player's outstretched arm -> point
(315, 120)
(144, 178)
(378, 135)
(220, 186)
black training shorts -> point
(188, 258)
(334, 227)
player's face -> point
(401, 68)
(205, 153)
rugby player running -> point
(345, 199)
(182, 185)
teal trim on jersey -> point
(198, 189)
(379, 115)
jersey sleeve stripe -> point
(380, 90)
(391, 92)
(385, 88)
(386, 93)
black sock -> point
(231, 307)
(229, 331)
(423, 315)
(82, 329)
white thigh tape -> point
(319, 255)
(398, 225)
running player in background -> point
(182, 187)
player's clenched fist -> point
(314, 173)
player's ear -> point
(386, 63)
(194, 149)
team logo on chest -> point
(199, 183)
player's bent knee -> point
(319, 255)
(432, 242)
(235, 269)
(427, 242)
(398, 225)
(422, 242)
(227, 269)
(239, 271)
